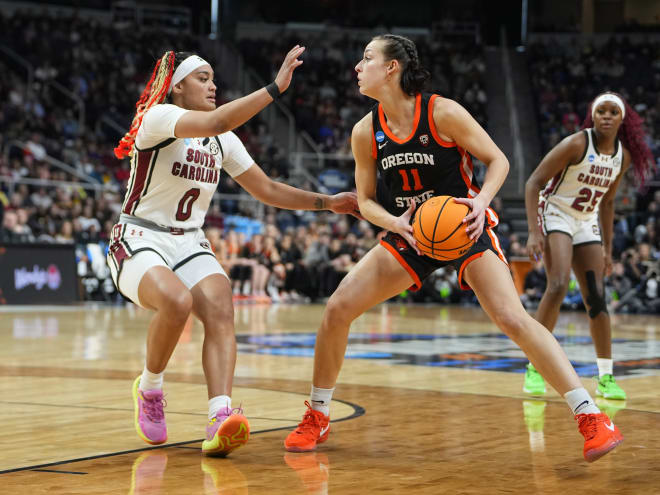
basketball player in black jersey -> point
(420, 146)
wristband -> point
(273, 91)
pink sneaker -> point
(149, 416)
(227, 431)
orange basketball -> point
(439, 230)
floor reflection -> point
(313, 469)
(147, 473)
(222, 477)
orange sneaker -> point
(600, 435)
(314, 428)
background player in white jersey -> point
(581, 175)
(159, 258)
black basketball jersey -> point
(421, 165)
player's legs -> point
(161, 290)
(376, 278)
(589, 267)
(557, 260)
(505, 309)
(227, 428)
(212, 304)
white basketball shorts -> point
(135, 249)
(581, 231)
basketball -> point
(439, 230)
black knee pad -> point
(595, 299)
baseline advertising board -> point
(38, 274)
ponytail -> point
(154, 93)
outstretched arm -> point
(280, 195)
(235, 113)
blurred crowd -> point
(293, 256)
(324, 96)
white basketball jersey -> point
(173, 180)
(579, 188)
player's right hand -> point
(535, 243)
(402, 226)
(283, 78)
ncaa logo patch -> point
(380, 136)
(591, 158)
(424, 139)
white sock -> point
(151, 381)
(604, 366)
(320, 399)
(217, 403)
(581, 402)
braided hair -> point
(413, 77)
(632, 136)
(155, 92)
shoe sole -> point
(232, 434)
(609, 396)
(294, 448)
(594, 455)
(136, 407)
(530, 392)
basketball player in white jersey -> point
(571, 221)
(180, 143)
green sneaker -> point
(608, 388)
(534, 414)
(534, 383)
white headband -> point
(609, 97)
(186, 67)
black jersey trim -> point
(587, 138)
(160, 145)
(593, 140)
(222, 152)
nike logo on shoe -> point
(324, 430)
(610, 426)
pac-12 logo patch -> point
(380, 136)
(424, 139)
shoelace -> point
(588, 424)
(153, 408)
(221, 416)
(311, 418)
(607, 379)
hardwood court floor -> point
(429, 401)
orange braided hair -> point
(154, 93)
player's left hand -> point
(345, 203)
(475, 219)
